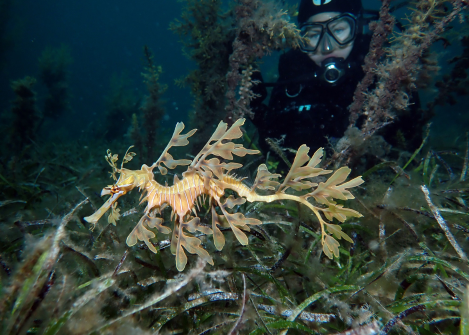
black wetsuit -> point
(304, 108)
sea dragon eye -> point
(114, 189)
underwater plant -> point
(54, 63)
(401, 275)
(24, 112)
(212, 177)
(394, 76)
(262, 26)
(121, 104)
(207, 33)
(152, 108)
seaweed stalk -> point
(35, 287)
(442, 223)
(466, 159)
(243, 308)
(172, 289)
(465, 312)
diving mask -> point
(342, 29)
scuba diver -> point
(309, 102)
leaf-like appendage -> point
(191, 244)
(234, 132)
(194, 225)
(141, 233)
(357, 181)
(181, 258)
(114, 215)
(330, 245)
(340, 213)
(219, 132)
(128, 156)
(221, 148)
(300, 185)
(330, 189)
(301, 158)
(174, 240)
(168, 160)
(219, 169)
(263, 179)
(239, 220)
(241, 151)
(155, 222)
(218, 237)
(231, 201)
(336, 230)
(317, 158)
(162, 169)
(298, 172)
(177, 140)
(224, 150)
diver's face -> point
(328, 47)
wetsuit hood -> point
(309, 8)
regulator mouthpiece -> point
(332, 70)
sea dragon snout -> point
(127, 181)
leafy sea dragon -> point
(211, 177)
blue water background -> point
(107, 37)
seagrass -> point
(211, 177)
